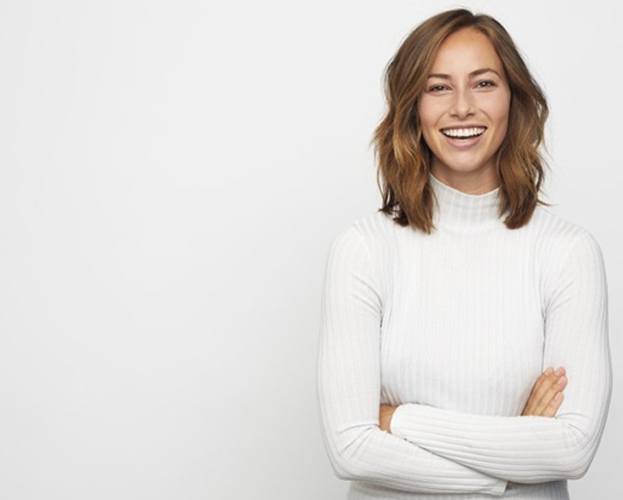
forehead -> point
(464, 51)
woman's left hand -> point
(385, 416)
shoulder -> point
(366, 245)
(566, 247)
(370, 230)
(558, 236)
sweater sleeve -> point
(348, 388)
(531, 449)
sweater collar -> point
(464, 212)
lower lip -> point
(463, 143)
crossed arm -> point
(348, 385)
(435, 450)
(533, 449)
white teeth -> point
(463, 132)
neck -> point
(464, 212)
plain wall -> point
(171, 176)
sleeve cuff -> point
(393, 423)
(500, 488)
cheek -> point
(498, 108)
(427, 112)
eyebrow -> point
(473, 73)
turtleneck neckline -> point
(464, 212)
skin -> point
(483, 99)
(546, 395)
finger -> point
(547, 378)
(557, 386)
(548, 392)
(547, 382)
(537, 390)
(554, 405)
(540, 397)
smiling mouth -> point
(464, 137)
(463, 143)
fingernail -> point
(559, 371)
(549, 371)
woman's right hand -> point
(546, 395)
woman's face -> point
(465, 96)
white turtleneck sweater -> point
(455, 327)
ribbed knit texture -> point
(455, 327)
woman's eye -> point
(432, 89)
(490, 83)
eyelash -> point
(481, 81)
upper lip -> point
(466, 125)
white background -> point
(171, 176)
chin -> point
(469, 166)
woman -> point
(445, 312)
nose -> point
(462, 105)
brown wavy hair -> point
(403, 157)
